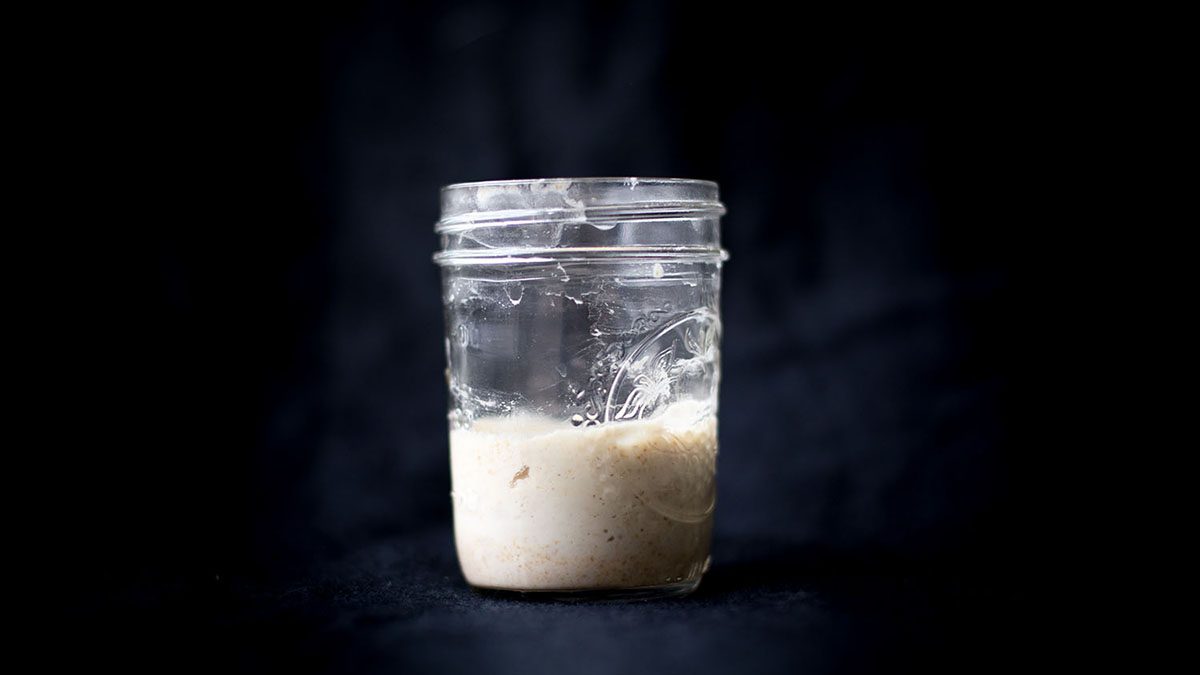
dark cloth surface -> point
(400, 605)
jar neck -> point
(580, 219)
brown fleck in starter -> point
(520, 475)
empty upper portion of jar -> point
(514, 221)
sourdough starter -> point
(542, 505)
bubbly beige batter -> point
(542, 505)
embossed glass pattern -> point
(582, 345)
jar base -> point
(675, 590)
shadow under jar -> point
(582, 341)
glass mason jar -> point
(582, 341)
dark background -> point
(267, 352)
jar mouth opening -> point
(625, 181)
(597, 199)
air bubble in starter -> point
(515, 292)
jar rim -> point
(522, 201)
(637, 180)
(509, 256)
(595, 218)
